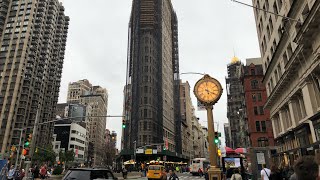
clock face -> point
(208, 90)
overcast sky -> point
(210, 32)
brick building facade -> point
(259, 124)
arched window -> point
(254, 84)
(263, 142)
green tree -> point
(44, 155)
(66, 156)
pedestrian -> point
(200, 172)
(11, 172)
(206, 174)
(173, 175)
(124, 173)
(275, 173)
(164, 174)
(35, 172)
(305, 168)
(236, 175)
(19, 174)
(228, 172)
(43, 172)
(265, 173)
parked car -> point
(88, 174)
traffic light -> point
(216, 137)
(24, 152)
(219, 152)
(28, 141)
(123, 124)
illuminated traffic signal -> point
(24, 152)
(123, 124)
(219, 152)
(28, 141)
(216, 138)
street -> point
(180, 175)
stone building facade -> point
(290, 54)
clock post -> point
(208, 91)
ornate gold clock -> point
(208, 90)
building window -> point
(253, 97)
(145, 113)
(263, 142)
(253, 72)
(258, 128)
(254, 84)
(261, 111)
(255, 109)
(263, 126)
(259, 97)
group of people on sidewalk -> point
(19, 174)
(305, 168)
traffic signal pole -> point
(19, 149)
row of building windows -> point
(72, 146)
(78, 133)
(258, 110)
(256, 97)
(77, 140)
(261, 126)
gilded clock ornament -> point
(208, 90)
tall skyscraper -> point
(152, 75)
(32, 46)
(235, 102)
(290, 55)
(96, 98)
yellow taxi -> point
(155, 172)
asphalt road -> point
(180, 175)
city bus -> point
(198, 163)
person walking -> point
(265, 173)
(124, 173)
(206, 175)
(200, 172)
(35, 172)
(11, 172)
(43, 172)
(275, 173)
(164, 174)
(305, 168)
(236, 175)
(173, 175)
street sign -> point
(159, 148)
(154, 151)
(201, 107)
(139, 151)
(260, 158)
(148, 151)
